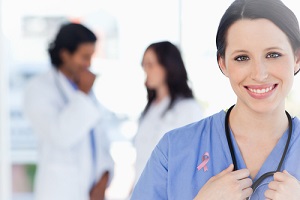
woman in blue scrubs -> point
(250, 151)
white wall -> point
(5, 170)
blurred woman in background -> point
(171, 102)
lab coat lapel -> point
(64, 86)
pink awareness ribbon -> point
(205, 159)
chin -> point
(265, 107)
(149, 86)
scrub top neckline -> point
(272, 160)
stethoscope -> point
(59, 87)
(65, 99)
(268, 174)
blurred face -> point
(155, 73)
(260, 64)
(77, 61)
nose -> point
(87, 64)
(146, 69)
(259, 71)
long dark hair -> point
(169, 57)
(69, 37)
(273, 10)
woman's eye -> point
(241, 58)
(273, 55)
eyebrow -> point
(271, 48)
(267, 49)
(239, 51)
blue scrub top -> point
(171, 172)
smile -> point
(261, 90)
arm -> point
(153, 181)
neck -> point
(67, 73)
(249, 124)
(161, 93)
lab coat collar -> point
(64, 84)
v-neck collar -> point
(272, 161)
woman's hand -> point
(284, 186)
(231, 185)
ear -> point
(297, 62)
(64, 55)
(222, 66)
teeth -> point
(261, 91)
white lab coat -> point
(62, 119)
(153, 126)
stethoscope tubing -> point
(230, 145)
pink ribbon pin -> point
(205, 159)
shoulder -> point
(188, 143)
(197, 131)
(215, 121)
(41, 80)
(296, 130)
(296, 122)
(292, 162)
(40, 85)
(186, 103)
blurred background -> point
(124, 29)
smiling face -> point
(260, 64)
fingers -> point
(245, 183)
(284, 185)
(247, 193)
(287, 173)
(229, 184)
(276, 185)
(243, 180)
(225, 171)
(273, 185)
(228, 169)
(245, 189)
(237, 175)
(269, 194)
(282, 176)
(241, 174)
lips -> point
(261, 91)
